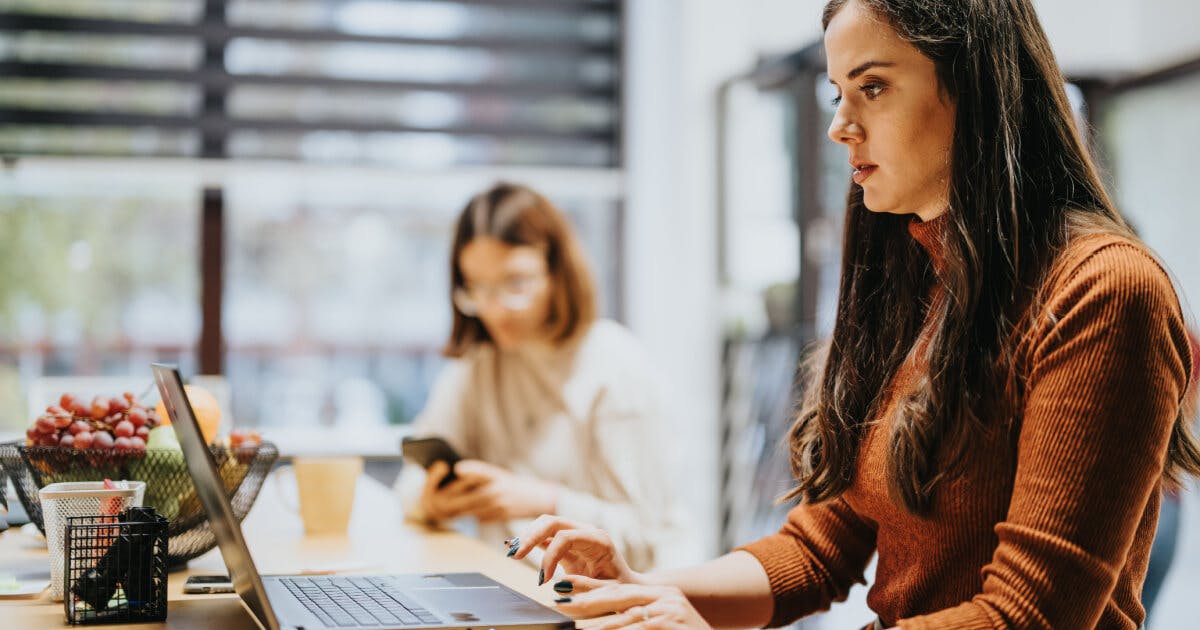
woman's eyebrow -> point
(863, 67)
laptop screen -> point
(209, 488)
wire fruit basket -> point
(169, 488)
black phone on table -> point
(427, 450)
(208, 584)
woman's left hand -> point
(635, 606)
(497, 494)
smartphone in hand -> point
(424, 451)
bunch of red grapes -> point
(107, 423)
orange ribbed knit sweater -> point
(1051, 522)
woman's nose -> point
(843, 130)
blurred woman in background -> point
(553, 410)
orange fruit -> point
(205, 406)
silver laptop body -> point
(452, 600)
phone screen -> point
(426, 451)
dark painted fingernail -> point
(513, 550)
(541, 576)
(562, 600)
(563, 586)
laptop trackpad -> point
(490, 605)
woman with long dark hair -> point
(998, 410)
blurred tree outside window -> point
(93, 285)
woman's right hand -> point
(439, 504)
(580, 549)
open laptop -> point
(451, 600)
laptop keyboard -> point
(347, 601)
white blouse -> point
(585, 417)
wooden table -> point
(379, 541)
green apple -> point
(164, 470)
(163, 438)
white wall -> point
(678, 52)
(1120, 36)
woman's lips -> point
(863, 172)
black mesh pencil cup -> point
(116, 568)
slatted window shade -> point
(411, 83)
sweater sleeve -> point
(819, 554)
(443, 416)
(1107, 375)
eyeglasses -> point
(514, 294)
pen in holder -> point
(116, 568)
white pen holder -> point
(81, 498)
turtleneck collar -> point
(543, 353)
(930, 235)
